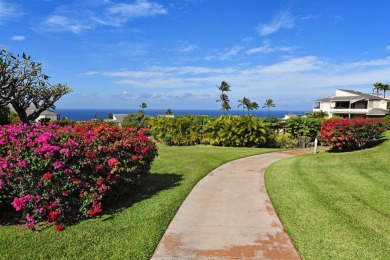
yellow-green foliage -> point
(247, 131)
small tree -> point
(22, 84)
(136, 120)
(253, 106)
(245, 103)
(143, 106)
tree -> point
(22, 84)
(223, 98)
(169, 112)
(377, 87)
(269, 103)
(143, 106)
(385, 87)
(253, 106)
(245, 102)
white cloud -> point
(187, 47)
(370, 63)
(283, 20)
(9, 11)
(300, 64)
(141, 8)
(87, 16)
(387, 47)
(268, 48)
(234, 51)
(18, 38)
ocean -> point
(88, 114)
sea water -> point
(88, 114)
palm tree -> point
(245, 102)
(253, 106)
(223, 98)
(143, 106)
(269, 103)
(169, 112)
(385, 87)
(377, 87)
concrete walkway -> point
(228, 215)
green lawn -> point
(134, 228)
(335, 205)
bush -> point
(351, 134)
(62, 174)
(304, 130)
(180, 130)
(137, 120)
(242, 131)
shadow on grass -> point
(150, 187)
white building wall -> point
(341, 93)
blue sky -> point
(173, 53)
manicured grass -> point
(335, 205)
(133, 229)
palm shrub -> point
(243, 131)
(181, 130)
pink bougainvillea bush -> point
(62, 174)
(351, 134)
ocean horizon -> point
(88, 114)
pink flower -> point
(19, 203)
(58, 165)
(22, 164)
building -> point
(352, 104)
(53, 116)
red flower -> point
(112, 161)
(59, 227)
(47, 176)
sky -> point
(174, 53)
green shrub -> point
(137, 120)
(181, 130)
(285, 141)
(242, 131)
(304, 130)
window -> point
(317, 105)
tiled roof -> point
(360, 96)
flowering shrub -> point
(61, 174)
(351, 134)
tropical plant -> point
(385, 87)
(377, 87)
(253, 106)
(62, 174)
(245, 103)
(169, 112)
(304, 130)
(136, 120)
(143, 106)
(351, 134)
(269, 103)
(223, 98)
(317, 114)
(242, 131)
(23, 84)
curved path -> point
(228, 215)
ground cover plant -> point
(335, 205)
(132, 228)
(59, 175)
